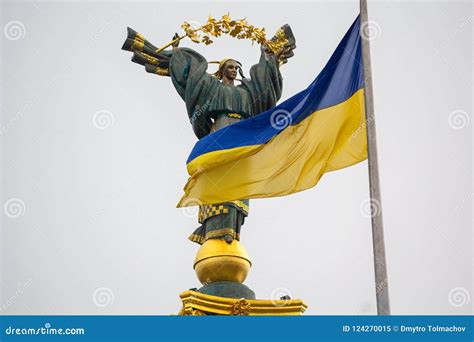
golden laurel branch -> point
(239, 29)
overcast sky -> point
(94, 151)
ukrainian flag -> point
(289, 147)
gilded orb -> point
(218, 260)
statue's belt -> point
(239, 116)
(210, 210)
(230, 115)
(235, 115)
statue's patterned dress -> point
(212, 105)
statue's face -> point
(230, 70)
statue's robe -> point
(212, 105)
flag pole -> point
(381, 280)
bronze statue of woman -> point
(214, 101)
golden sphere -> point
(218, 260)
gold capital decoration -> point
(241, 307)
(196, 303)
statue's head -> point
(228, 69)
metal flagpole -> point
(381, 281)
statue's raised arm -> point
(266, 83)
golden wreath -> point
(239, 29)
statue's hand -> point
(176, 43)
(264, 48)
(285, 53)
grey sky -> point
(97, 231)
